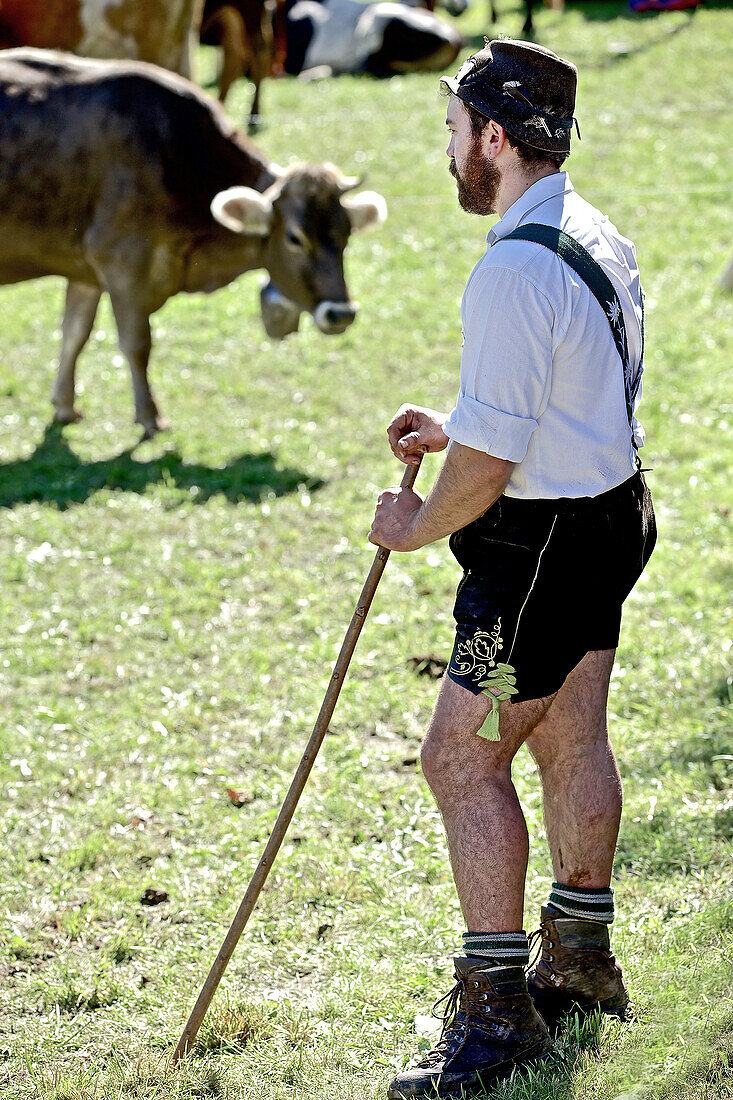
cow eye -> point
(295, 239)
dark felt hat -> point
(527, 89)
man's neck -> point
(515, 181)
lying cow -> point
(308, 38)
(143, 30)
(326, 37)
(109, 175)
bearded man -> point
(542, 494)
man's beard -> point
(478, 183)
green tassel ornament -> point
(500, 684)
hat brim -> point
(505, 115)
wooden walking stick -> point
(300, 778)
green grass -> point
(170, 612)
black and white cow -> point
(326, 37)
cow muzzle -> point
(334, 317)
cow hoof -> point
(151, 430)
(67, 416)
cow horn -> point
(349, 183)
(343, 183)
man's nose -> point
(449, 150)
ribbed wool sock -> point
(498, 948)
(582, 904)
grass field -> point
(171, 610)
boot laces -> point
(452, 1034)
(534, 943)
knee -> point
(454, 773)
(564, 751)
(434, 763)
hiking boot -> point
(576, 971)
(489, 1026)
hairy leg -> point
(580, 777)
(471, 780)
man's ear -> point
(493, 139)
(243, 210)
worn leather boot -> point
(489, 1026)
(576, 971)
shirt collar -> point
(549, 187)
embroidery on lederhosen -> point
(476, 656)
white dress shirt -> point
(541, 380)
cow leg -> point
(237, 53)
(133, 329)
(79, 313)
(258, 71)
(253, 123)
(263, 56)
(528, 27)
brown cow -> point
(143, 30)
(109, 175)
(245, 30)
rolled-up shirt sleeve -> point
(498, 433)
(506, 363)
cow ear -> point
(366, 209)
(243, 211)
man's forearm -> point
(468, 483)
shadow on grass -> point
(55, 474)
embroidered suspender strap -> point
(595, 278)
